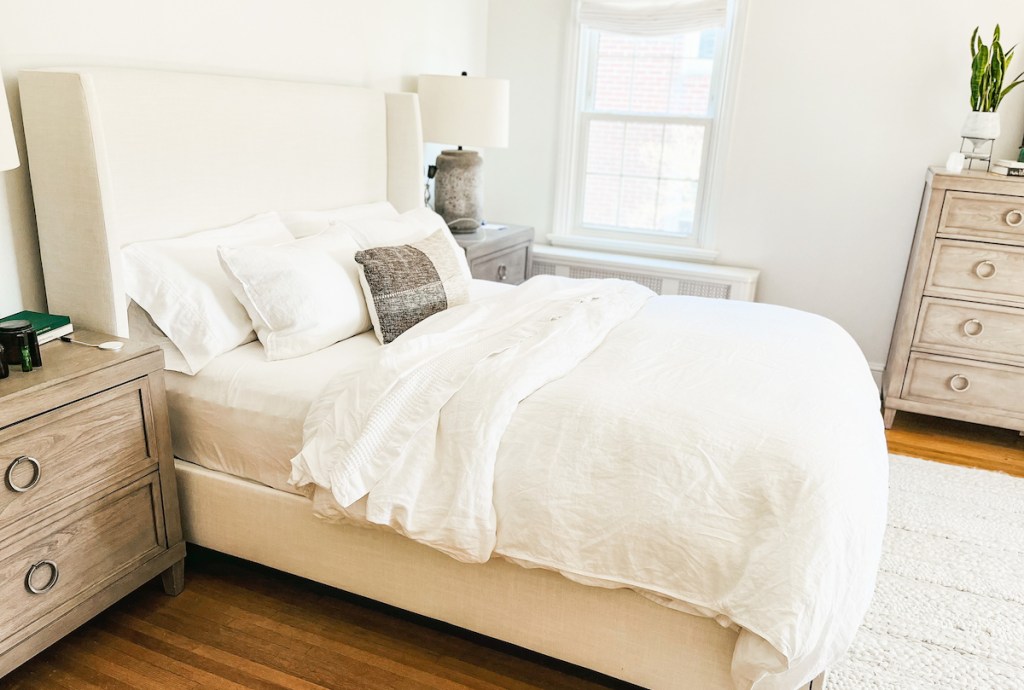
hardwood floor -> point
(240, 625)
(957, 443)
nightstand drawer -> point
(48, 460)
(970, 329)
(986, 216)
(68, 559)
(503, 267)
(966, 383)
(973, 270)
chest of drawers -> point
(958, 346)
(88, 505)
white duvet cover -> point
(723, 458)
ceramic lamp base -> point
(459, 189)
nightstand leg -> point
(888, 417)
(174, 578)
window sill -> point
(649, 249)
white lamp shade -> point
(8, 146)
(464, 111)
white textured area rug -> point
(948, 610)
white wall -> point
(839, 109)
(383, 44)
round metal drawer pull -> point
(985, 269)
(54, 576)
(1015, 213)
(964, 384)
(37, 472)
(973, 328)
(502, 272)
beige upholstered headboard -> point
(120, 155)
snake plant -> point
(988, 71)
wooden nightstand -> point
(503, 255)
(88, 507)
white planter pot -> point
(981, 126)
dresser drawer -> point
(987, 216)
(976, 271)
(932, 378)
(504, 267)
(65, 560)
(52, 460)
(969, 329)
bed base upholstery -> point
(537, 609)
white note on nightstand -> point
(493, 226)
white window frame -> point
(568, 230)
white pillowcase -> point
(301, 296)
(411, 226)
(142, 330)
(180, 284)
(306, 223)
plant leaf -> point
(996, 72)
(977, 70)
(974, 36)
(1011, 87)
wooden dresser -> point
(958, 346)
(88, 507)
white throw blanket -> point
(720, 457)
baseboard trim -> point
(876, 373)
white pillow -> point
(411, 226)
(301, 296)
(181, 286)
(141, 329)
(306, 223)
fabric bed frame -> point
(122, 155)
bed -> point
(120, 157)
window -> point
(644, 118)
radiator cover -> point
(662, 276)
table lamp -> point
(466, 111)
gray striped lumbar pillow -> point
(405, 284)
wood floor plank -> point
(124, 668)
(957, 443)
(204, 653)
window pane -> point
(677, 205)
(604, 147)
(601, 200)
(642, 155)
(684, 149)
(638, 203)
(642, 176)
(654, 75)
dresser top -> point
(975, 181)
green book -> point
(47, 326)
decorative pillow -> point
(306, 223)
(301, 296)
(181, 286)
(407, 283)
(411, 226)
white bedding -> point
(243, 415)
(723, 457)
